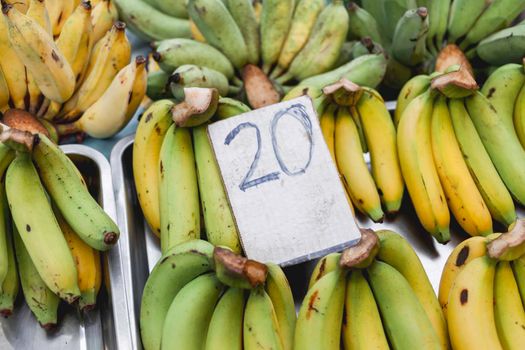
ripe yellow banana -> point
(327, 121)
(419, 169)
(4, 92)
(356, 177)
(103, 16)
(20, 5)
(412, 88)
(59, 11)
(325, 265)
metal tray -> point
(141, 248)
(106, 327)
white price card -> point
(283, 187)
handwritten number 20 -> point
(296, 111)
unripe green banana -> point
(438, 12)
(390, 13)
(81, 211)
(365, 46)
(151, 24)
(173, 53)
(175, 8)
(505, 46)
(39, 229)
(225, 329)
(6, 157)
(189, 75)
(40, 299)
(409, 43)
(219, 28)
(463, 14)
(362, 23)
(276, 18)
(10, 283)
(179, 194)
(228, 107)
(243, 13)
(346, 54)
(158, 85)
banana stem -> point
(277, 71)
(233, 90)
(283, 79)
(363, 253)
(236, 81)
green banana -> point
(173, 53)
(10, 283)
(175, 269)
(346, 54)
(221, 229)
(519, 116)
(503, 147)
(397, 74)
(325, 265)
(228, 107)
(437, 25)
(179, 194)
(219, 28)
(189, 75)
(320, 316)
(413, 88)
(518, 267)
(158, 85)
(462, 16)
(63, 183)
(261, 327)
(362, 24)
(276, 18)
(243, 13)
(175, 8)
(225, 329)
(497, 16)
(190, 313)
(40, 299)
(150, 23)
(391, 12)
(406, 324)
(365, 46)
(492, 189)
(39, 229)
(505, 46)
(6, 157)
(409, 42)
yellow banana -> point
(356, 177)
(325, 265)
(20, 5)
(418, 167)
(59, 11)
(327, 121)
(103, 16)
(4, 92)
(380, 135)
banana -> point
(150, 23)
(80, 210)
(362, 23)
(112, 111)
(463, 197)
(173, 53)
(174, 270)
(109, 56)
(519, 116)
(157, 85)
(39, 229)
(278, 289)
(418, 167)
(325, 265)
(9, 290)
(261, 327)
(495, 195)
(404, 319)
(4, 230)
(4, 92)
(502, 89)
(243, 14)
(321, 313)
(13, 69)
(220, 30)
(190, 313)
(303, 21)
(228, 107)
(505, 46)
(174, 8)
(496, 16)
(380, 135)
(458, 23)
(275, 22)
(409, 42)
(413, 88)
(103, 15)
(327, 121)
(38, 52)
(189, 75)
(518, 267)
(151, 129)
(40, 299)
(363, 328)
(59, 11)
(225, 329)
(389, 13)
(437, 25)
(470, 312)
(328, 36)
(20, 5)
(355, 175)
(178, 191)
(398, 253)
(508, 308)
(464, 253)
(221, 229)
(502, 146)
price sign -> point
(284, 189)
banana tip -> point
(6, 7)
(6, 313)
(110, 238)
(48, 326)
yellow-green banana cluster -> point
(386, 299)
(186, 304)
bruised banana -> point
(325, 265)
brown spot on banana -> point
(463, 296)
(462, 256)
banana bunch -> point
(482, 292)
(375, 295)
(57, 227)
(250, 54)
(63, 59)
(355, 120)
(459, 150)
(201, 297)
(176, 173)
